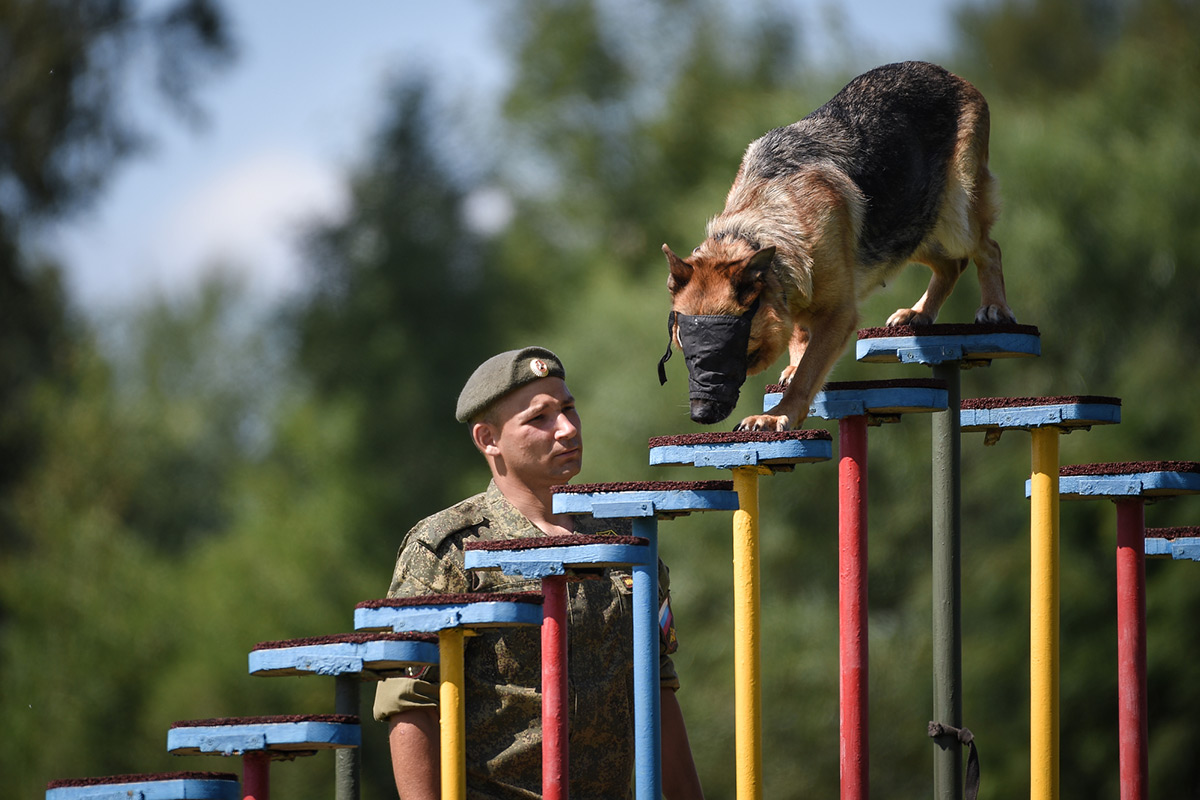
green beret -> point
(503, 373)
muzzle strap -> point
(662, 362)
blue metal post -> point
(647, 724)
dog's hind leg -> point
(978, 186)
(945, 275)
(993, 303)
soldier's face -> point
(539, 436)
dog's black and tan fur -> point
(893, 169)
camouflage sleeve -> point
(429, 562)
(425, 567)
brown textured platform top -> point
(279, 719)
(950, 329)
(534, 598)
(540, 542)
(1188, 532)
(1128, 468)
(347, 638)
(643, 486)
(739, 437)
(1030, 402)
(141, 778)
(890, 383)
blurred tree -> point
(168, 536)
(65, 67)
(1038, 49)
(1099, 240)
(406, 298)
(161, 497)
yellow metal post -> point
(746, 649)
(1044, 616)
(453, 714)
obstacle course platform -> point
(771, 451)
(281, 737)
(880, 401)
(156, 786)
(433, 613)
(1181, 544)
(969, 344)
(370, 655)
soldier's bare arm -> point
(413, 739)
(680, 781)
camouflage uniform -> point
(503, 704)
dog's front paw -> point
(995, 314)
(907, 316)
(763, 422)
(785, 377)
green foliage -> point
(64, 67)
(397, 284)
(215, 484)
(63, 130)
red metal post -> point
(256, 775)
(1133, 724)
(555, 731)
(852, 603)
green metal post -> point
(347, 760)
(947, 584)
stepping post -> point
(748, 454)
(857, 405)
(948, 349)
(159, 786)
(644, 503)
(1131, 485)
(554, 560)
(1180, 544)
(451, 617)
(1045, 418)
(261, 740)
(349, 658)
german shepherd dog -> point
(893, 169)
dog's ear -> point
(681, 271)
(753, 275)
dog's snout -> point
(708, 412)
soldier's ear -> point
(485, 437)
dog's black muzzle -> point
(714, 349)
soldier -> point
(523, 420)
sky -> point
(295, 112)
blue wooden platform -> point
(878, 399)
(552, 559)
(1146, 479)
(765, 449)
(169, 786)
(440, 616)
(370, 658)
(1026, 413)
(284, 738)
(606, 501)
(1175, 543)
(940, 344)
